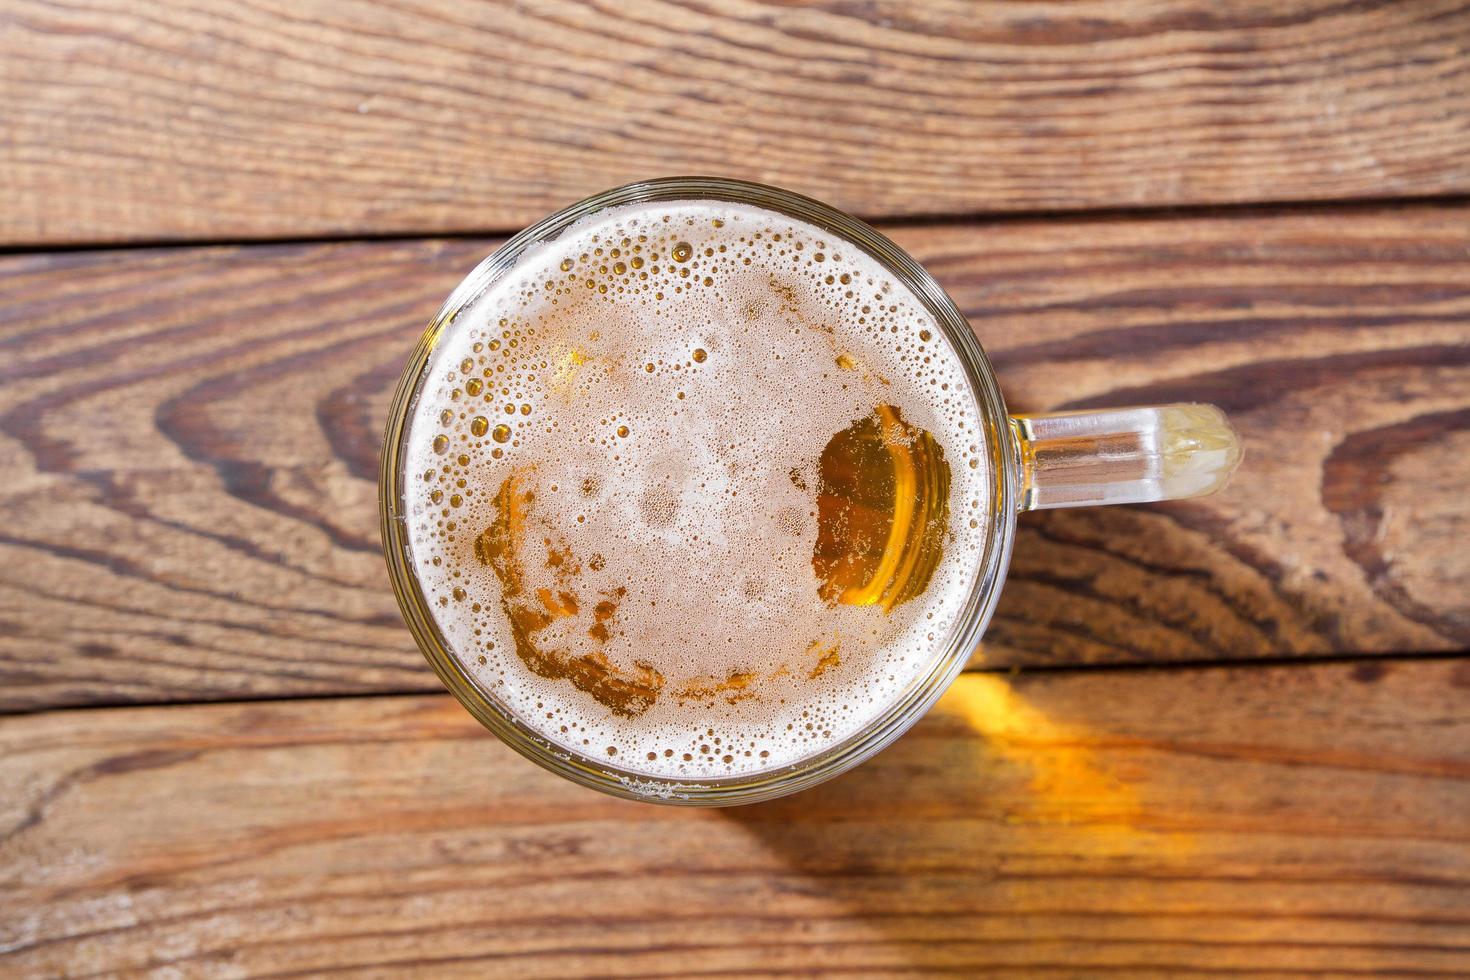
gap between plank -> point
(1008, 671)
(1269, 208)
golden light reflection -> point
(1068, 780)
(566, 362)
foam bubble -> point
(616, 522)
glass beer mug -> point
(586, 463)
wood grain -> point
(189, 440)
(123, 122)
(1293, 821)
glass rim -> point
(916, 698)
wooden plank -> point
(190, 440)
(1303, 820)
(123, 122)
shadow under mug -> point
(1128, 455)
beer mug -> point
(702, 492)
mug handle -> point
(1123, 456)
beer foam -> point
(612, 476)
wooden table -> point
(1218, 736)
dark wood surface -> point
(122, 121)
(1290, 821)
(1223, 736)
(192, 439)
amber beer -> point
(696, 489)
